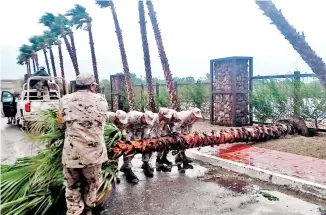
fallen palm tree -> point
(185, 141)
(34, 185)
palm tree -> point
(39, 43)
(24, 59)
(25, 55)
(79, 17)
(147, 60)
(164, 61)
(129, 89)
(61, 65)
(186, 141)
(59, 25)
(296, 39)
(51, 39)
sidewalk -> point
(306, 168)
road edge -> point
(293, 183)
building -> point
(12, 85)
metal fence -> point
(283, 91)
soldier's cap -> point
(197, 113)
(85, 79)
(42, 67)
(122, 116)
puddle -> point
(229, 180)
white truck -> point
(31, 101)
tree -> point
(79, 17)
(39, 43)
(164, 61)
(313, 102)
(129, 89)
(51, 40)
(64, 84)
(25, 55)
(296, 39)
(23, 59)
(59, 25)
(147, 60)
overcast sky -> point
(193, 33)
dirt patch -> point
(307, 146)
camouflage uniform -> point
(185, 121)
(118, 118)
(84, 151)
(139, 126)
(166, 120)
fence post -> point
(157, 89)
(142, 97)
(176, 87)
(296, 99)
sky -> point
(193, 33)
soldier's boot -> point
(130, 175)
(165, 160)
(186, 165)
(185, 158)
(161, 167)
(148, 170)
(178, 162)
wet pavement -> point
(203, 190)
(307, 168)
(14, 143)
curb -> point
(298, 184)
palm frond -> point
(34, 185)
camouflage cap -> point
(85, 79)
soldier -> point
(165, 120)
(119, 118)
(184, 122)
(83, 114)
(138, 127)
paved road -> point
(203, 190)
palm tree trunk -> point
(147, 60)
(129, 89)
(33, 61)
(36, 61)
(186, 141)
(52, 62)
(29, 72)
(164, 61)
(91, 43)
(27, 68)
(69, 49)
(73, 47)
(47, 61)
(296, 39)
(64, 85)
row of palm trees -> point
(62, 27)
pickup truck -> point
(31, 101)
